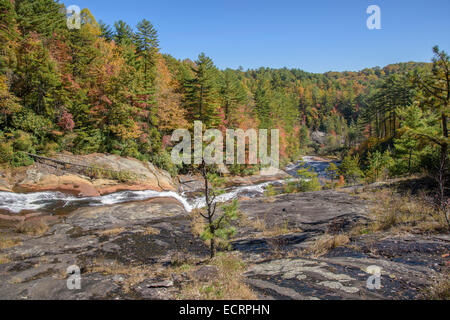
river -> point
(52, 201)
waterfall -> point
(18, 202)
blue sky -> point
(313, 35)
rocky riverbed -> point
(149, 249)
(155, 235)
(58, 187)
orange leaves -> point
(8, 102)
(170, 113)
(125, 132)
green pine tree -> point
(44, 17)
(202, 99)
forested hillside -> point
(111, 89)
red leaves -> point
(66, 121)
(167, 141)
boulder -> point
(265, 175)
(127, 214)
(146, 175)
(190, 183)
(318, 136)
(308, 210)
(4, 183)
(39, 177)
(36, 181)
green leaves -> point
(44, 17)
(307, 179)
(350, 169)
(378, 166)
(332, 171)
(222, 225)
(123, 33)
(232, 94)
(202, 99)
(146, 38)
(28, 121)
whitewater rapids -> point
(18, 202)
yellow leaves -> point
(8, 102)
(3, 84)
(170, 113)
(126, 131)
(88, 24)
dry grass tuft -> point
(150, 231)
(440, 290)
(257, 223)
(135, 274)
(112, 232)
(393, 212)
(4, 259)
(132, 274)
(280, 230)
(260, 225)
(33, 227)
(269, 200)
(229, 285)
(198, 224)
(6, 242)
(327, 242)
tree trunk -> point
(395, 129)
(409, 161)
(442, 171)
(212, 249)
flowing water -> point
(59, 202)
(318, 166)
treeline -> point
(332, 103)
(110, 89)
(404, 129)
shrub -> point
(350, 169)
(24, 141)
(270, 191)
(21, 159)
(290, 187)
(243, 170)
(327, 242)
(66, 142)
(87, 141)
(34, 227)
(130, 149)
(308, 180)
(163, 160)
(51, 148)
(332, 171)
(312, 184)
(28, 121)
(379, 165)
(6, 152)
